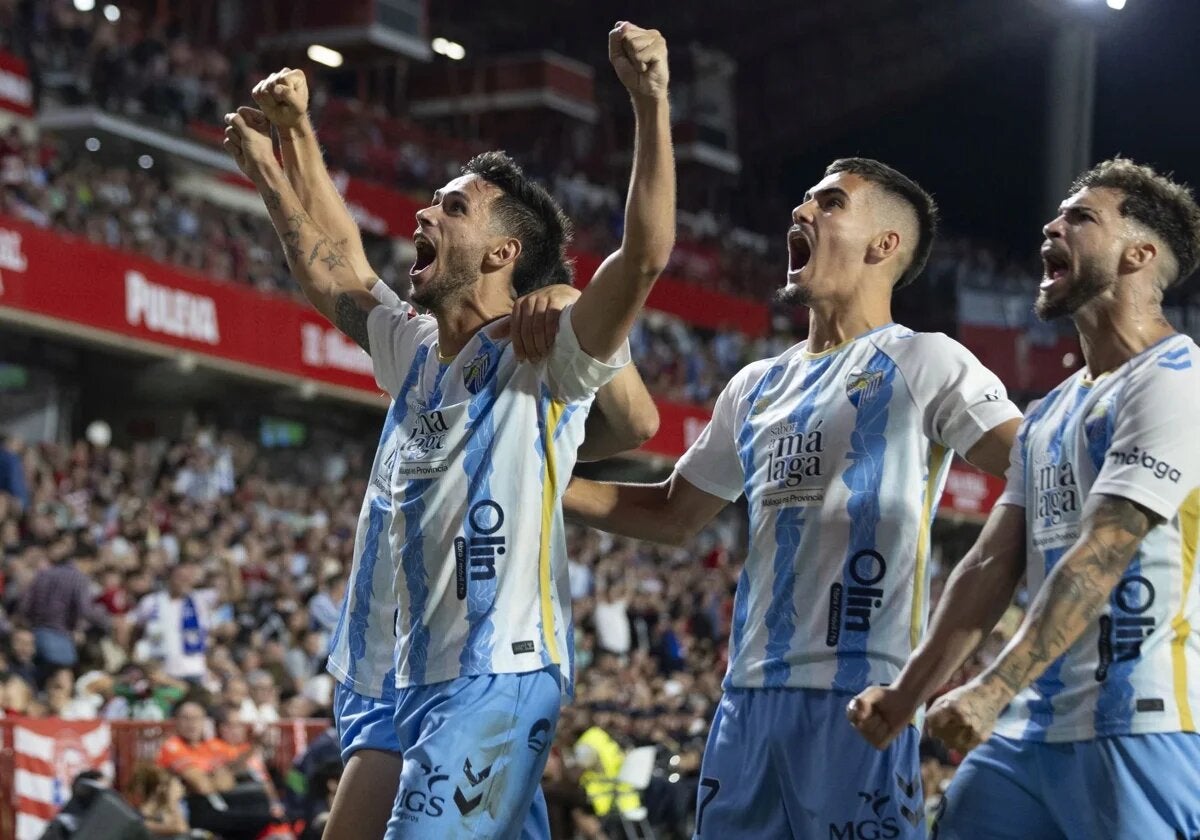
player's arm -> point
(313, 255)
(283, 98)
(612, 300)
(991, 453)
(624, 415)
(622, 418)
(976, 595)
(1074, 593)
(672, 512)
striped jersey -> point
(1130, 433)
(362, 650)
(484, 448)
(842, 456)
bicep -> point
(608, 306)
(349, 314)
(991, 452)
(1118, 523)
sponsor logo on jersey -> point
(475, 556)
(851, 607)
(1058, 502)
(1127, 626)
(795, 468)
(1159, 468)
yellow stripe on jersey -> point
(937, 458)
(554, 413)
(1189, 530)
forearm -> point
(649, 233)
(623, 417)
(631, 510)
(319, 266)
(1071, 598)
(304, 166)
(978, 592)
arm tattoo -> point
(351, 319)
(1076, 592)
(272, 199)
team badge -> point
(863, 385)
(475, 371)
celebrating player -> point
(1101, 512)
(363, 646)
(841, 445)
(484, 446)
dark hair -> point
(525, 210)
(908, 191)
(1156, 202)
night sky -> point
(977, 140)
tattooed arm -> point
(1070, 599)
(283, 98)
(314, 256)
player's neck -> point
(831, 325)
(458, 323)
(1113, 331)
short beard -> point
(793, 294)
(457, 276)
(1088, 284)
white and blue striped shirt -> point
(1130, 433)
(842, 456)
(479, 452)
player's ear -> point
(883, 246)
(503, 252)
(1138, 255)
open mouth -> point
(1056, 266)
(426, 254)
(799, 250)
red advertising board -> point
(970, 492)
(16, 91)
(74, 282)
(68, 283)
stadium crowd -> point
(106, 549)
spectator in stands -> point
(12, 472)
(321, 787)
(599, 756)
(159, 796)
(325, 607)
(244, 754)
(611, 616)
(22, 653)
(58, 604)
(178, 620)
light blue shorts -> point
(1116, 788)
(363, 723)
(474, 751)
(785, 762)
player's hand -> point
(640, 58)
(964, 718)
(880, 713)
(283, 97)
(248, 141)
(534, 322)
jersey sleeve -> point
(712, 463)
(1152, 458)
(570, 372)
(961, 400)
(394, 334)
(1014, 476)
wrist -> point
(650, 103)
(991, 685)
(292, 133)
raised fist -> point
(248, 141)
(640, 58)
(283, 97)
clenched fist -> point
(283, 97)
(248, 141)
(640, 58)
(880, 713)
(964, 717)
